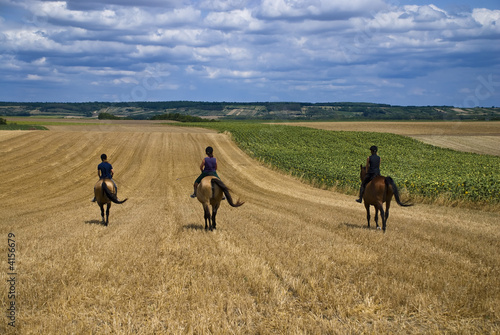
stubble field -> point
(293, 259)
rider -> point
(372, 170)
(208, 167)
(105, 171)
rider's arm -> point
(367, 164)
(202, 164)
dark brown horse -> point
(105, 192)
(379, 190)
(209, 192)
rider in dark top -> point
(372, 170)
(105, 171)
(208, 167)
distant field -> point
(410, 128)
(482, 144)
(477, 137)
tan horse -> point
(379, 190)
(105, 192)
(209, 192)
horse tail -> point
(225, 189)
(390, 182)
(111, 195)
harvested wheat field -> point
(292, 259)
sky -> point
(398, 52)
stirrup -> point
(359, 200)
(193, 195)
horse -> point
(379, 190)
(209, 192)
(105, 192)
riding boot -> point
(194, 193)
(361, 191)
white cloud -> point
(236, 19)
(125, 80)
(489, 19)
(186, 17)
(223, 5)
(33, 77)
(40, 62)
(318, 9)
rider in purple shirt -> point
(208, 167)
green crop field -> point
(23, 126)
(332, 159)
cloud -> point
(33, 77)
(316, 50)
(233, 20)
(317, 9)
(99, 5)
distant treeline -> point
(247, 110)
(181, 118)
(168, 116)
(109, 116)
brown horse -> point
(105, 192)
(209, 192)
(379, 190)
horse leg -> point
(207, 217)
(214, 213)
(367, 214)
(376, 216)
(102, 212)
(382, 215)
(107, 213)
(387, 206)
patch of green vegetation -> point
(50, 122)
(15, 126)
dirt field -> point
(292, 259)
(477, 137)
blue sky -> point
(400, 52)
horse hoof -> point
(379, 228)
